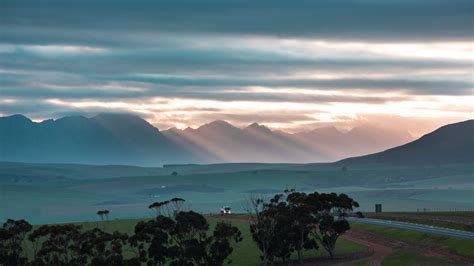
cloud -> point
(386, 20)
(186, 62)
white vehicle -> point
(226, 210)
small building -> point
(226, 210)
(378, 207)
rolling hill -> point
(453, 143)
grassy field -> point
(455, 220)
(459, 246)
(407, 258)
(245, 252)
(65, 193)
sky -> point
(293, 65)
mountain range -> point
(128, 139)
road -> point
(416, 227)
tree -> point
(176, 205)
(183, 240)
(330, 210)
(330, 230)
(195, 246)
(262, 227)
(174, 173)
(12, 235)
(290, 223)
(301, 223)
(219, 245)
(103, 248)
(160, 207)
(58, 245)
(295, 221)
(106, 213)
(69, 245)
(190, 229)
(102, 214)
(153, 242)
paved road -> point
(416, 227)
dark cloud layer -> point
(333, 19)
(132, 51)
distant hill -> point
(453, 143)
(128, 139)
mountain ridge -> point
(452, 143)
(129, 139)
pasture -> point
(66, 193)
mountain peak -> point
(220, 122)
(72, 118)
(116, 118)
(257, 127)
(217, 124)
(17, 118)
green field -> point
(245, 252)
(407, 258)
(43, 193)
(459, 246)
(454, 220)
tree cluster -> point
(168, 207)
(185, 239)
(294, 222)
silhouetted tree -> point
(106, 213)
(294, 221)
(68, 245)
(58, 245)
(176, 205)
(103, 248)
(195, 246)
(219, 245)
(330, 210)
(301, 223)
(190, 229)
(101, 214)
(262, 226)
(183, 240)
(152, 241)
(12, 235)
(160, 207)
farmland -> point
(64, 193)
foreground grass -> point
(409, 258)
(245, 252)
(458, 246)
